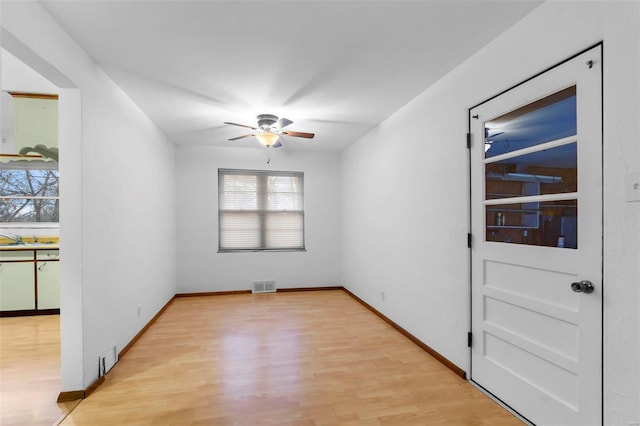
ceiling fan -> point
(269, 130)
(490, 134)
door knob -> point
(582, 287)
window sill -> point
(30, 225)
(261, 250)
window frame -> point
(261, 210)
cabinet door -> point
(48, 285)
(17, 290)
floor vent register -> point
(264, 287)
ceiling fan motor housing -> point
(265, 121)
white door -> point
(536, 221)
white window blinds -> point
(260, 210)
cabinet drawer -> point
(48, 254)
(15, 255)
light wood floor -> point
(30, 371)
(304, 358)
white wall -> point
(117, 182)
(405, 191)
(18, 77)
(202, 269)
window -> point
(29, 192)
(260, 210)
(531, 173)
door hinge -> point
(469, 339)
(469, 239)
(468, 140)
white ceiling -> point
(336, 68)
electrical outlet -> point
(632, 187)
(139, 310)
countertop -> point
(29, 246)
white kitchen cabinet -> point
(48, 284)
(29, 281)
(17, 290)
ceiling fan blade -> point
(241, 137)
(299, 134)
(282, 123)
(241, 125)
(277, 145)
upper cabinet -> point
(7, 123)
(30, 127)
(36, 122)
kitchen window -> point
(260, 210)
(29, 192)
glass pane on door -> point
(549, 224)
(549, 171)
(545, 120)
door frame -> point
(599, 45)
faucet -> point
(17, 239)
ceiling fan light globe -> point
(267, 138)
